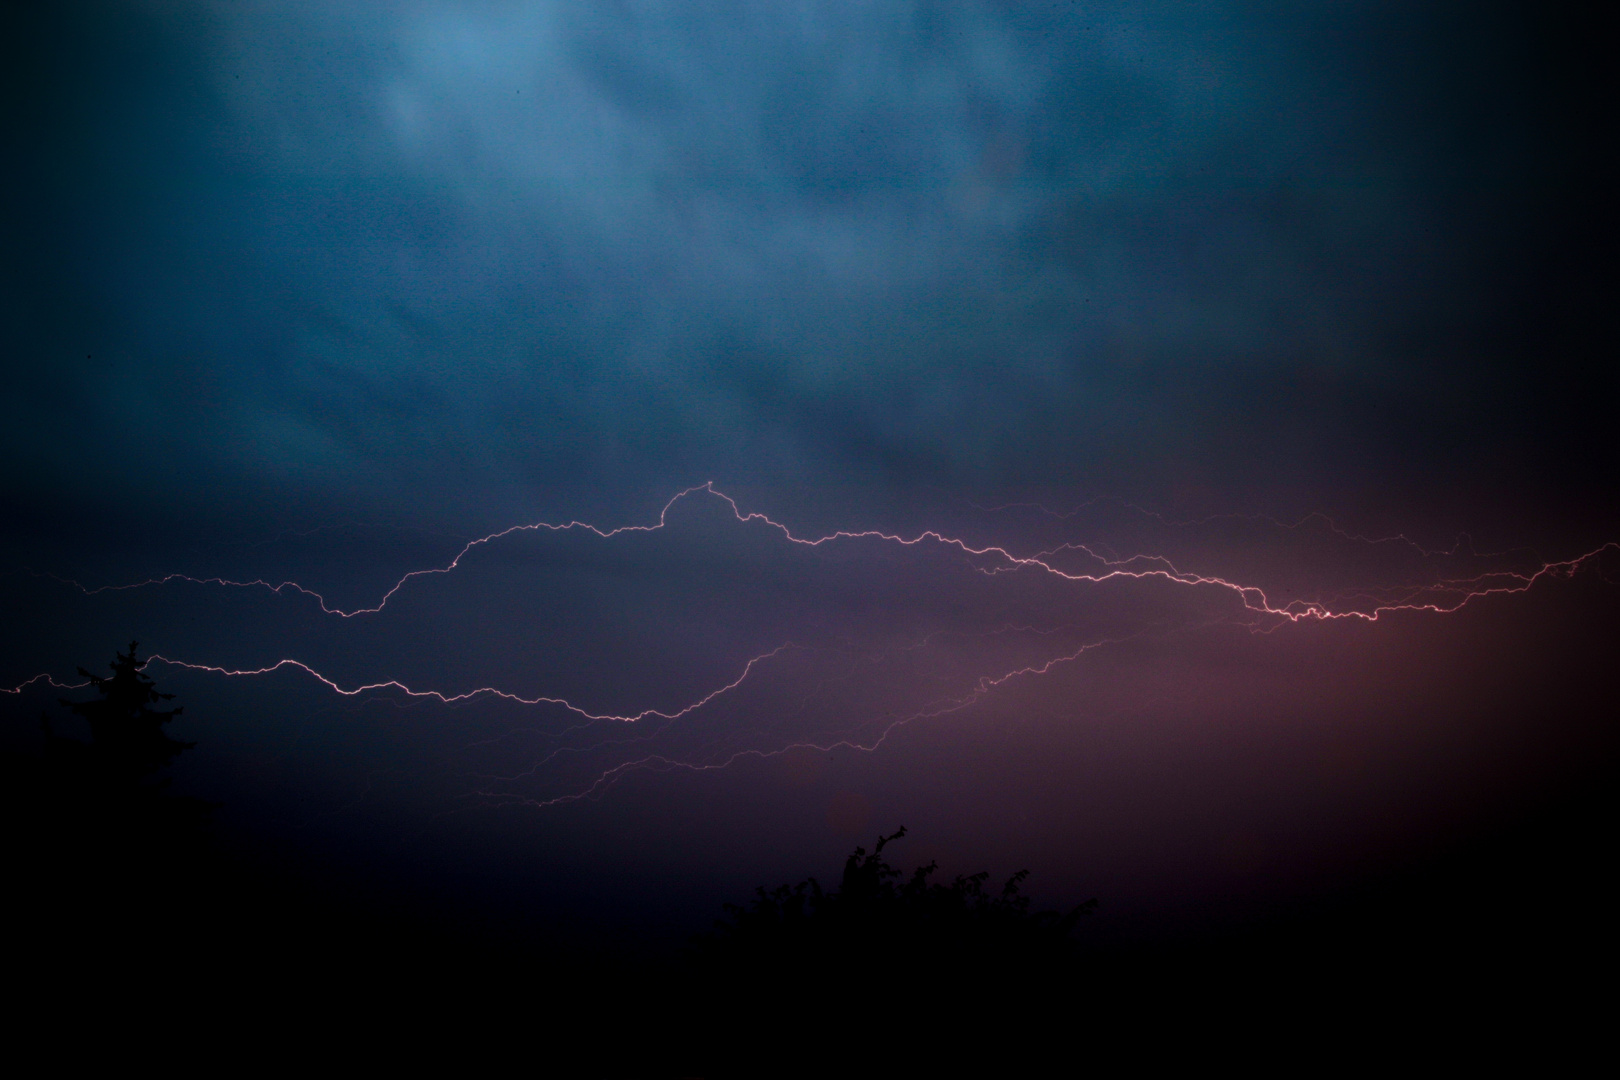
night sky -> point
(1224, 394)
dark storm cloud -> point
(441, 254)
(280, 277)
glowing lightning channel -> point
(659, 762)
(1253, 597)
(1442, 597)
(47, 678)
(481, 692)
(538, 526)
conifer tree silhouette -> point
(126, 732)
(102, 793)
(116, 870)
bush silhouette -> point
(878, 913)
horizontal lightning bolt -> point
(1445, 596)
(1253, 597)
(469, 695)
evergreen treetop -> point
(126, 731)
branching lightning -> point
(1141, 566)
(469, 695)
(829, 714)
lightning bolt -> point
(1136, 567)
(1444, 595)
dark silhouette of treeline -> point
(104, 854)
(134, 928)
(126, 889)
(876, 909)
(808, 943)
(124, 900)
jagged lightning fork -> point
(447, 568)
(1457, 591)
(47, 679)
(1253, 597)
(660, 762)
(481, 692)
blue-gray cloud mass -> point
(466, 256)
(1113, 295)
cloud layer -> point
(466, 256)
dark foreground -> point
(133, 935)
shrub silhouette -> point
(905, 969)
(878, 912)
